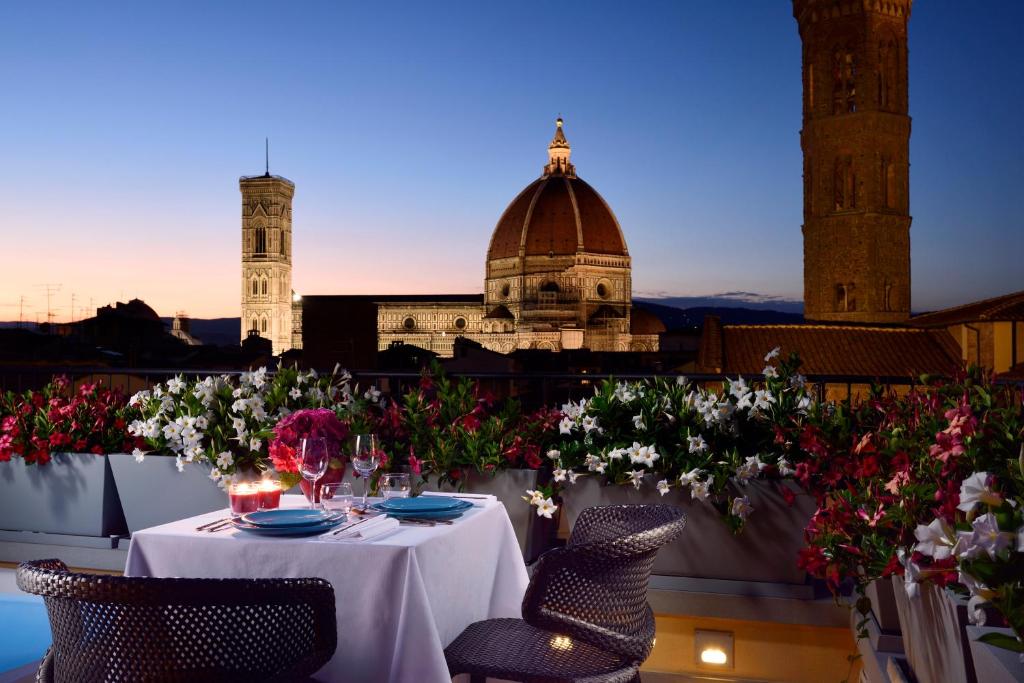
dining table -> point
(400, 598)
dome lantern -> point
(558, 154)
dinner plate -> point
(421, 504)
(288, 518)
(424, 514)
(303, 530)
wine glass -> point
(366, 459)
(313, 460)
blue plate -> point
(303, 530)
(421, 504)
(287, 518)
(424, 514)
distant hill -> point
(730, 300)
(676, 318)
(215, 331)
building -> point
(856, 141)
(558, 277)
(989, 333)
(267, 258)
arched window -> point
(253, 325)
(888, 183)
(263, 286)
(284, 243)
(844, 184)
(255, 287)
(548, 294)
(261, 240)
(264, 324)
(888, 75)
(844, 81)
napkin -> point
(371, 528)
(477, 499)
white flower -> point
(975, 489)
(559, 474)
(139, 454)
(179, 463)
(911, 575)
(554, 454)
(774, 353)
(138, 398)
(623, 393)
(172, 431)
(591, 461)
(697, 444)
(785, 469)
(638, 422)
(689, 478)
(1020, 540)
(638, 477)
(600, 467)
(372, 394)
(616, 453)
(749, 469)
(988, 537)
(803, 404)
(192, 453)
(738, 388)
(225, 460)
(770, 371)
(201, 422)
(546, 508)
(237, 393)
(763, 399)
(741, 507)
(158, 391)
(934, 540)
(565, 426)
(700, 490)
(215, 474)
(535, 497)
(295, 393)
(975, 614)
(589, 423)
(239, 405)
(255, 444)
(681, 380)
(745, 401)
(662, 487)
(797, 381)
(645, 455)
(573, 476)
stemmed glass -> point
(313, 459)
(366, 459)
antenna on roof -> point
(267, 149)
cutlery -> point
(463, 495)
(346, 527)
(424, 519)
(216, 522)
(416, 522)
(219, 527)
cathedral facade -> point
(558, 276)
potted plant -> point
(54, 477)
(722, 454)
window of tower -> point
(253, 325)
(264, 324)
(844, 81)
(263, 286)
(261, 240)
(844, 184)
(255, 287)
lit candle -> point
(269, 497)
(244, 498)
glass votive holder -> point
(244, 497)
(395, 485)
(337, 497)
(269, 495)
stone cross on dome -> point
(558, 154)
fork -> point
(214, 523)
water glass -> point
(395, 485)
(337, 497)
(314, 457)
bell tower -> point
(856, 145)
(267, 258)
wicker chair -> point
(585, 613)
(112, 628)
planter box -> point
(994, 664)
(766, 551)
(934, 634)
(154, 492)
(509, 487)
(883, 605)
(73, 494)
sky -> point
(408, 127)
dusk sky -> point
(408, 127)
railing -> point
(534, 389)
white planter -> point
(73, 494)
(883, 605)
(765, 551)
(154, 492)
(934, 634)
(994, 664)
(509, 487)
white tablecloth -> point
(401, 599)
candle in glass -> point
(244, 498)
(269, 497)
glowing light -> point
(561, 643)
(713, 655)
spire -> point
(266, 142)
(558, 154)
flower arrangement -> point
(225, 421)
(707, 442)
(927, 485)
(445, 427)
(311, 423)
(61, 418)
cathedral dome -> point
(557, 215)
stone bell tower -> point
(267, 258)
(856, 145)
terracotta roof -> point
(560, 215)
(644, 322)
(833, 350)
(1006, 307)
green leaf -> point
(1002, 640)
